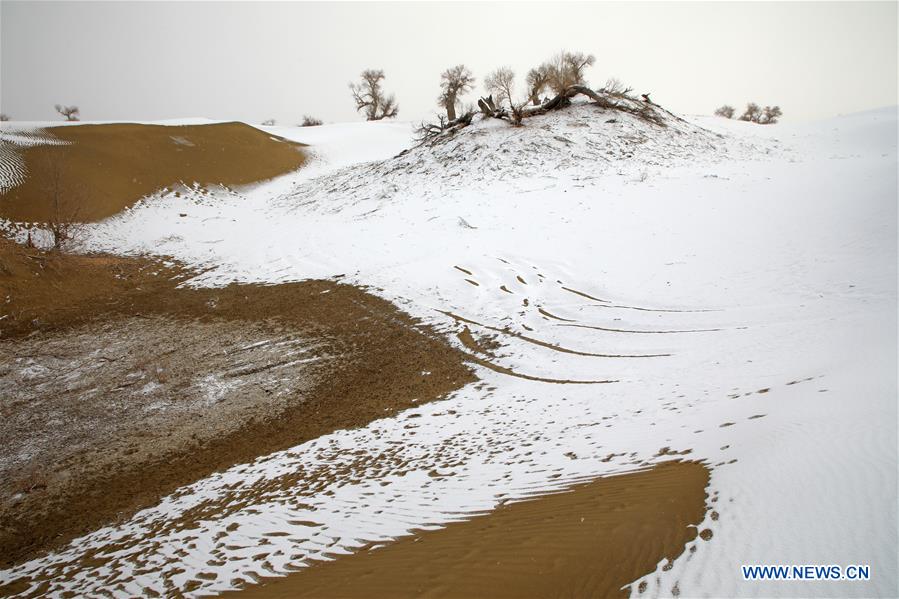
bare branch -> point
(614, 87)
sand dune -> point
(589, 541)
(106, 168)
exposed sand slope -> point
(589, 541)
(105, 168)
(117, 387)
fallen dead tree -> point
(618, 100)
(443, 126)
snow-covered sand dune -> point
(732, 287)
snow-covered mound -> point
(581, 142)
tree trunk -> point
(451, 109)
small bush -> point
(768, 115)
(726, 112)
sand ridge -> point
(106, 168)
(591, 540)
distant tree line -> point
(753, 113)
(559, 75)
(308, 121)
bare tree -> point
(500, 83)
(71, 113)
(537, 79)
(454, 83)
(770, 115)
(370, 97)
(310, 121)
(725, 111)
(567, 69)
(268, 123)
(4, 117)
(63, 200)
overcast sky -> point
(257, 60)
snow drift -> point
(733, 287)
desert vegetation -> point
(614, 87)
(537, 79)
(370, 97)
(566, 69)
(310, 121)
(455, 82)
(564, 75)
(754, 113)
(725, 111)
(500, 83)
(70, 113)
(64, 196)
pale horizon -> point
(256, 61)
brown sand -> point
(104, 402)
(589, 541)
(107, 168)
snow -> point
(745, 279)
(345, 144)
